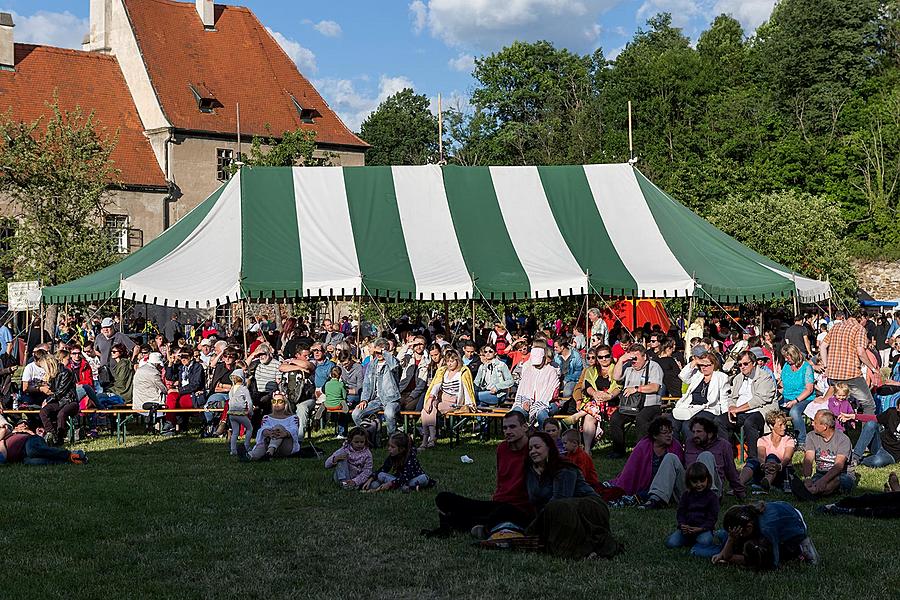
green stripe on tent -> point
(481, 232)
(581, 225)
(270, 255)
(724, 269)
(104, 283)
(377, 231)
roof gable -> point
(201, 75)
(92, 82)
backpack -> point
(501, 344)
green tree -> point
(295, 148)
(402, 131)
(799, 230)
(57, 174)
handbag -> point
(631, 405)
(104, 375)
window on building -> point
(117, 226)
(224, 160)
(307, 115)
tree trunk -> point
(50, 313)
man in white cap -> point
(108, 338)
(148, 386)
(205, 347)
(538, 385)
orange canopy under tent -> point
(648, 311)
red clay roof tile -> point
(239, 62)
(88, 80)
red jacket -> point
(585, 464)
(84, 373)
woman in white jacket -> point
(707, 392)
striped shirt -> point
(451, 386)
(843, 341)
(266, 373)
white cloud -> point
(353, 105)
(63, 30)
(418, 12)
(463, 63)
(328, 28)
(489, 24)
(304, 57)
(750, 13)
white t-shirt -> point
(745, 393)
(33, 371)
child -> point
(551, 428)
(335, 392)
(838, 404)
(698, 511)
(576, 455)
(401, 468)
(240, 408)
(352, 462)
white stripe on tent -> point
(540, 246)
(634, 233)
(327, 251)
(434, 255)
(205, 267)
(808, 290)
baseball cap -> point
(155, 358)
(203, 343)
(107, 322)
(698, 351)
(758, 353)
(537, 356)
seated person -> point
(639, 377)
(651, 468)
(825, 461)
(279, 434)
(884, 445)
(753, 394)
(778, 450)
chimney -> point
(207, 11)
(101, 20)
(7, 47)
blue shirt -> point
(795, 381)
(781, 523)
(323, 373)
(5, 338)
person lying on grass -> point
(352, 462)
(764, 534)
(401, 468)
(279, 434)
(877, 506)
(20, 444)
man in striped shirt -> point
(842, 352)
(263, 377)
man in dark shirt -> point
(798, 335)
(510, 500)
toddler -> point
(698, 511)
(352, 462)
(240, 408)
(576, 455)
(551, 428)
(401, 468)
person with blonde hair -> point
(798, 387)
(450, 389)
(61, 402)
(774, 452)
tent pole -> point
(634, 302)
(474, 341)
(41, 308)
(358, 323)
(447, 318)
(244, 323)
(828, 279)
(121, 306)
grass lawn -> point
(180, 518)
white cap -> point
(155, 358)
(107, 322)
(537, 356)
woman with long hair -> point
(61, 402)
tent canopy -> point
(431, 232)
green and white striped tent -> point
(431, 232)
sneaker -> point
(808, 551)
(652, 503)
(801, 491)
(340, 436)
(834, 509)
(854, 461)
(93, 434)
(78, 457)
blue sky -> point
(357, 52)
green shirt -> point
(335, 393)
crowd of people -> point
(689, 395)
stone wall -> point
(880, 278)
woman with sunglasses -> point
(706, 395)
(594, 392)
(764, 534)
(493, 380)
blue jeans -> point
(106, 401)
(797, 419)
(85, 390)
(879, 457)
(391, 410)
(869, 439)
(383, 478)
(37, 452)
(486, 398)
(568, 388)
(705, 544)
(847, 481)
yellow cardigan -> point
(466, 388)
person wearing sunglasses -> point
(753, 394)
(595, 390)
(493, 380)
(707, 393)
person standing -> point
(108, 338)
(842, 353)
(798, 335)
(599, 327)
(173, 329)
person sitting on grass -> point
(401, 468)
(765, 534)
(698, 511)
(825, 461)
(639, 477)
(510, 500)
(778, 450)
(20, 444)
(279, 434)
(240, 409)
(572, 521)
(876, 506)
(551, 428)
(352, 462)
(576, 455)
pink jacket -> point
(638, 471)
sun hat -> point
(155, 358)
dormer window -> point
(307, 115)
(206, 102)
